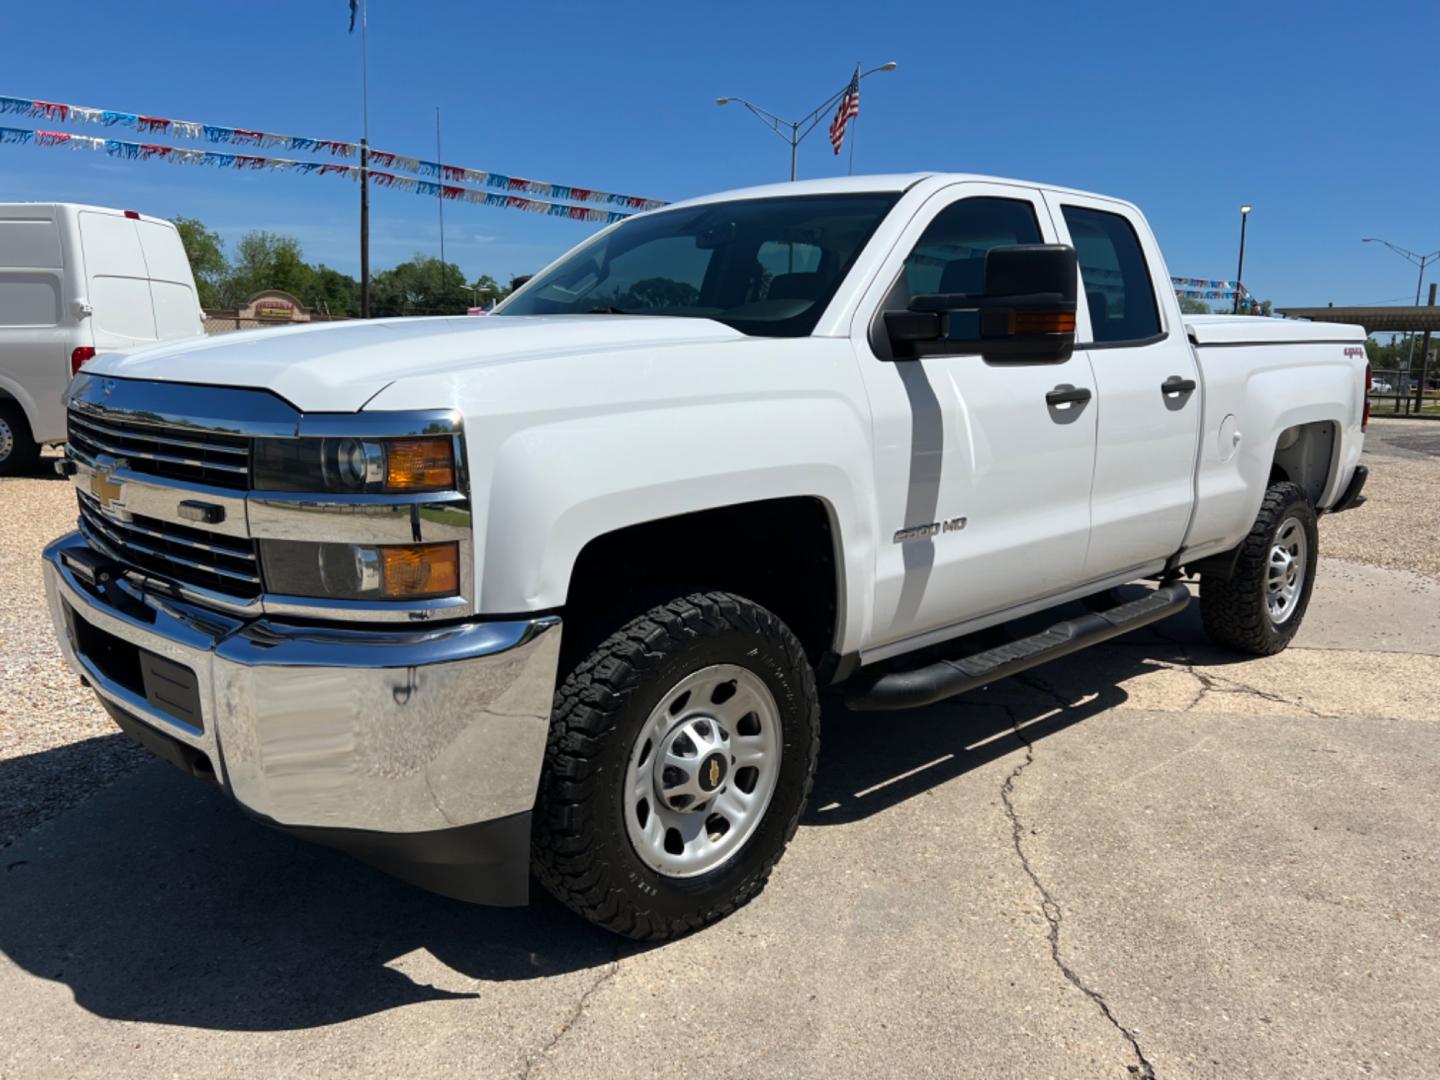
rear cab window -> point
(1119, 292)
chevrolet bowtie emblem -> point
(107, 490)
(714, 772)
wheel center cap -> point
(711, 773)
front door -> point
(1147, 384)
(982, 485)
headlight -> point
(361, 571)
(354, 466)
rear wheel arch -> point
(1308, 456)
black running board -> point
(927, 685)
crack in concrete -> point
(533, 1061)
(1216, 684)
(1049, 907)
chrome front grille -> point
(224, 564)
(162, 450)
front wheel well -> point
(780, 553)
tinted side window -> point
(950, 255)
(1117, 284)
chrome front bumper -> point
(395, 731)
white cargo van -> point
(74, 280)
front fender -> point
(558, 486)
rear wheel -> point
(1260, 607)
(18, 451)
(681, 752)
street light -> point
(1245, 209)
(808, 122)
(1421, 261)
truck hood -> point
(338, 367)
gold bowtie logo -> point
(714, 771)
(106, 489)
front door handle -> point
(1175, 385)
(1067, 395)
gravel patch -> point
(57, 745)
(1397, 526)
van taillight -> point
(78, 358)
(132, 215)
(1365, 416)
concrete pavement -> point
(1148, 859)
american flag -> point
(849, 109)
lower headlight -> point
(361, 571)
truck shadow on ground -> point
(157, 900)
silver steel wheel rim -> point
(7, 439)
(702, 771)
(1285, 572)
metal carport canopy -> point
(1373, 319)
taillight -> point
(132, 215)
(1365, 416)
(79, 356)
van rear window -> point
(29, 244)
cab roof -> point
(843, 185)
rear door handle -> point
(1175, 385)
(1067, 395)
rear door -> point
(982, 487)
(172, 287)
(1147, 384)
(118, 281)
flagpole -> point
(365, 159)
(440, 192)
(854, 127)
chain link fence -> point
(227, 322)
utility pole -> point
(365, 160)
(1422, 261)
(1424, 361)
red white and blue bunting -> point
(1207, 288)
(180, 155)
(221, 135)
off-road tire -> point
(1234, 611)
(23, 451)
(580, 850)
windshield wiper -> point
(611, 310)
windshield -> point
(766, 267)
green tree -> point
(1191, 306)
(334, 293)
(206, 253)
(266, 260)
(422, 286)
(488, 291)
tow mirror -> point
(1026, 313)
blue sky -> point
(1189, 110)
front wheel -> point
(681, 753)
(1258, 609)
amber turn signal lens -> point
(420, 465)
(1042, 322)
(421, 570)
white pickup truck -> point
(554, 591)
